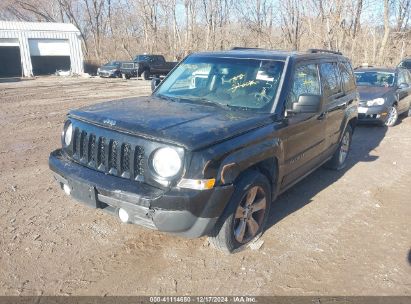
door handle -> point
(322, 116)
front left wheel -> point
(246, 214)
(392, 116)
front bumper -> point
(185, 212)
(374, 114)
(106, 74)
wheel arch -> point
(266, 162)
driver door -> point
(304, 141)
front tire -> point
(145, 75)
(392, 117)
(246, 214)
(339, 159)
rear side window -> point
(330, 79)
(306, 81)
(347, 77)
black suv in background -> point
(214, 145)
(146, 65)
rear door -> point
(334, 101)
(305, 132)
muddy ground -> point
(335, 233)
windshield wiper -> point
(168, 98)
(206, 102)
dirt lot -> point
(345, 233)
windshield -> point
(249, 84)
(112, 63)
(375, 78)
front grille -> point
(108, 155)
(127, 65)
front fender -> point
(239, 161)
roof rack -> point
(323, 51)
(239, 48)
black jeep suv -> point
(212, 147)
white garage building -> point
(39, 48)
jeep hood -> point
(193, 126)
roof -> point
(255, 53)
(37, 26)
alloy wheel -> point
(250, 214)
(392, 117)
(345, 147)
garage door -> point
(49, 55)
(10, 60)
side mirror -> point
(307, 104)
(154, 83)
(403, 86)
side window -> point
(305, 81)
(347, 77)
(408, 75)
(142, 58)
(401, 77)
(330, 79)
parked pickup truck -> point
(214, 145)
(145, 66)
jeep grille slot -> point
(76, 143)
(125, 160)
(83, 146)
(92, 150)
(108, 155)
(112, 159)
(138, 161)
(101, 154)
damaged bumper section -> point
(189, 213)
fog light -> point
(123, 215)
(66, 189)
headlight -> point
(375, 102)
(166, 162)
(68, 133)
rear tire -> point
(339, 159)
(245, 215)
